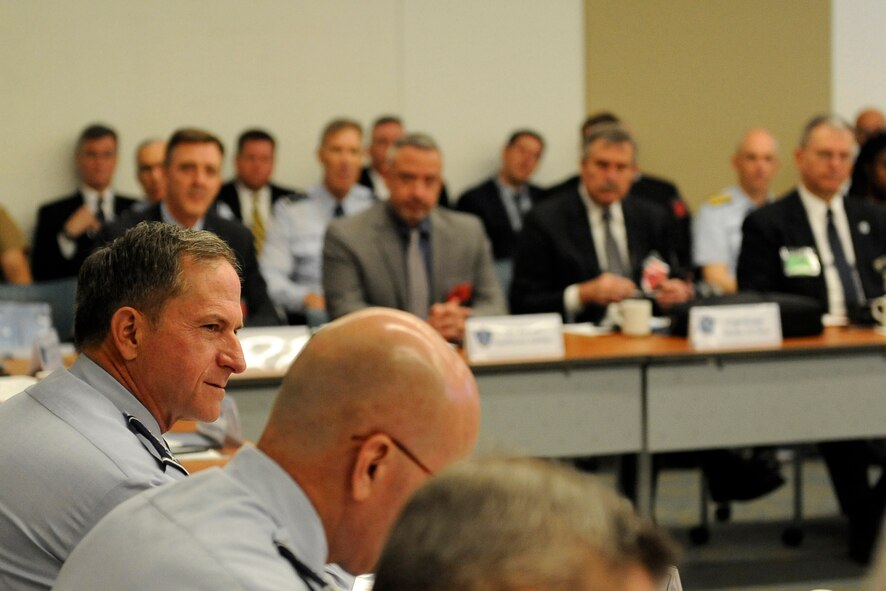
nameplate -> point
(501, 338)
(734, 327)
(272, 348)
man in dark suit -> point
(67, 228)
(650, 188)
(193, 175)
(587, 247)
(815, 242)
(386, 130)
(406, 253)
(502, 201)
(250, 197)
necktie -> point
(339, 210)
(166, 458)
(613, 257)
(844, 269)
(416, 276)
(258, 224)
(100, 210)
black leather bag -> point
(800, 315)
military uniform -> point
(716, 230)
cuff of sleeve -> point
(572, 302)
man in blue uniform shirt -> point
(157, 311)
(375, 404)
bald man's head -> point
(374, 402)
(868, 122)
(756, 162)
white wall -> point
(858, 47)
(467, 72)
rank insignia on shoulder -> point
(719, 199)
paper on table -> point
(586, 329)
(12, 385)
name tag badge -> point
(799, 261)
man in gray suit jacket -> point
(406, 253)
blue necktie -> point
(844, 269)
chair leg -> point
(793, 534)
(701, 533)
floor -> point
(747, 553)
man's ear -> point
(371, 465)
(127, 328)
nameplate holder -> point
(502, 338)
(46, 355)
(734, 327)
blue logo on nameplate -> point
(484, 337)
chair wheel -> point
(699, 535)
(792, 536)
(723, 512)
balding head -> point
(373, 401)
(756, 162)
(868, 122)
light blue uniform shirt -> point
(292, 255)
(716, 228)
(219, 529)
(67, 457)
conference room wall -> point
(858, 47)
(467, 72)
(691, 75)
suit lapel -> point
(579, 229)
(636, 236)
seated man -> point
(817, 243)
(292, 254)
(67, 228)
(407, 253)
(156, 317)
(653, 189)
(716, 238)
(251, 196)
(513, 525)
(14, 267)
(192, 171)
(502, 201)
(589, 246)
(357, 426)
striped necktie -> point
(166, 458)
(258, 224)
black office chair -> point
(58, 293)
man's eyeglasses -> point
(401, 447)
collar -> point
(243, 190)
(424, 227)
(300, 528)
(815, 205)
(93, 374)
(167, 217)
(595, 210)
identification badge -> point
(799, 261)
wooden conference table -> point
(615, 394)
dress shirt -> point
(716, 229)
(291, 258)
(816, 212)
(571, 299)
(516, 202)
(219, 529)
(68, 247)
(244, 194)
(379, 185)
(67, 457)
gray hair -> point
(141, 269)
(507, 524)
(610, 133)
(420, 141)
(824, 120)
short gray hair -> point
(824, 120)
(610, 133)
(141, 269)
(506, 524)
(418, 140)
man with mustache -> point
(192, 170)
(588, 246)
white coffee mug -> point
(878, 311)
(636, 317)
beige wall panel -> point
(690, 75)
